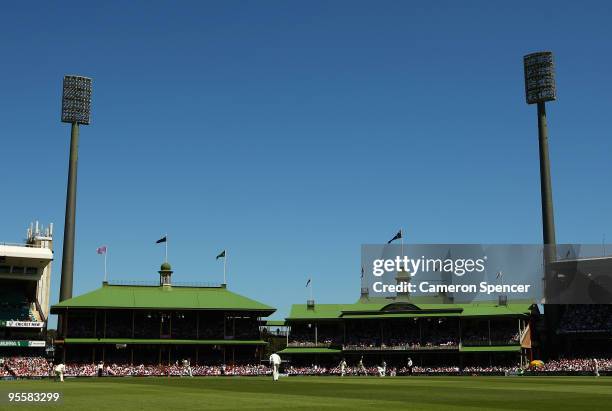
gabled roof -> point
(163, 297)
(390, 309)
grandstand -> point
(25, 276)
(432, 335)
(585, 331)
(160, 324)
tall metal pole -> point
(224, 267)
(548, 233)
(540, 87)
(548, 218)
(76, 110)
(69, 221)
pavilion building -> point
(160, 324)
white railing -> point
(22, 245)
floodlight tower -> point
(539, 88)
(76, 109)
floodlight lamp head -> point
(76, 100)
(539, 77)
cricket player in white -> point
(187, 368)
(361, 368)
(342, 368)
(382, 369)
(596, 367)
(59, 372)
(275, 361)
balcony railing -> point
(22, 245)
(308, 344)
(353, 347)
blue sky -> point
(292, 132)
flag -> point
(221, 255)
(308, 282)
(362, 272)
(499, 274)
(161, 240)
(396, 237)
(101, 250)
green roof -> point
(297, 350)
(163, 297)
(389, 309)
(489, 348)
(320, 311)
(160, 341)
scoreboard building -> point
(160, 324)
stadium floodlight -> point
(76, 100)
(539, 77)
(539, 88)
(76, 109)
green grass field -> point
(328, 393)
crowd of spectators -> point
(576, 364)
(40, 367)
(586, 318)
(432, 342)
(175, 370)
(305, 337)
(393, 371)
(484, 332)
(430, 334)
(4, 372)
(27, 366)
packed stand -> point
(576, 365)
(586, 318)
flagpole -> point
(402, 242)
(166, 244)
(310, 289)
(105, 276)
(224, 266)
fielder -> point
(187, 368)
(342, 368)
(596, 367)
(361, 368)
(382, 370)
(59, 372)
(275, 361)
